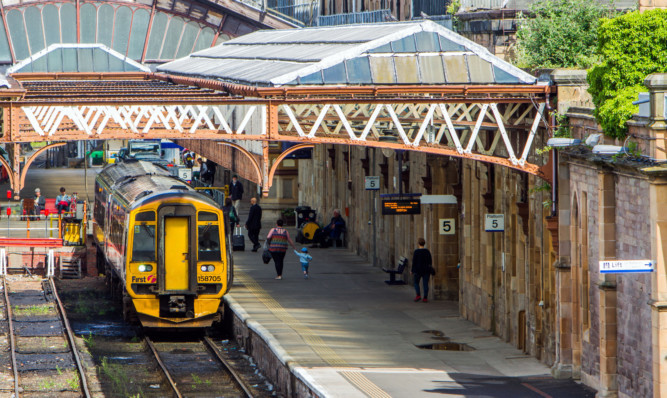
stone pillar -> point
(607, 284)
(658, 200)
(562, 367)
(572, 89)
(657, 85)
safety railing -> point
(217, 193)
(69, 226)
(374, 16)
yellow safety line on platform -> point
(311, 338)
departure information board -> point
(401, 206)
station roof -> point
(77, 58)
(379, 54)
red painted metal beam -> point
(31, 242)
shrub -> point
(631, 47)
(562, 34)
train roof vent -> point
(179, 187)
(142, 194)
(126, 181)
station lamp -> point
(609, 149)
(559, 142)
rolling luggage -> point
(238, 240)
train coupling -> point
(177, 304)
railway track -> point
(198, 369)
(40, 342)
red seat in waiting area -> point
(49, 206)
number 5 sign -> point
(372, 183)
(447, 226)
(494, 223)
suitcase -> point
(238, 240)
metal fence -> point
(444, 20)
(355, 18)
(486, 4)
(429, 7)
(306, 13)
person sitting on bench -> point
(332, 231)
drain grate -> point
(448, 346)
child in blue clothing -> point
(304, 258)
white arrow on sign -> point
(614, 266)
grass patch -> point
(32, 310)
(118, 377)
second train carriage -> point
(165, 244)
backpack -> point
(233, 217)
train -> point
(163, 246)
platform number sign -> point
(447, 226)
(494, 223)
(185, 173)
(372, 183)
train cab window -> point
(209, 242)
(145, 216)
(207, 216)
(143, 242)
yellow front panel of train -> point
(176, 253)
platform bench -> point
(400, 267)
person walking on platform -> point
(236, 192)
(304, 259)
(422, 264)
(278, 239)
(231, 211)
(254, 224)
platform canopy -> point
(407, 53)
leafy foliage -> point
(613, 113)
(631, 46)
(562, 34)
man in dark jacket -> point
(254, 224)
(236, 192)
(422, 264)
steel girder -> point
(500, 133)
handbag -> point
(266, 255)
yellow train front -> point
(163, 246)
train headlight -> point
(211, 268)
(145, 268)
(207, 268)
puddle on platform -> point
(449, 346)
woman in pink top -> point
(278, 239)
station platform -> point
(345, 333)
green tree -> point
(631, 47)
(561, 34)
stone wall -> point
(634, 290)
(584, 256)
(610, 351)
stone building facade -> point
(611, 327)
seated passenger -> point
(40, 202)
(332, 231)
(63, 201)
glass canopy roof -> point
(381, 54)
